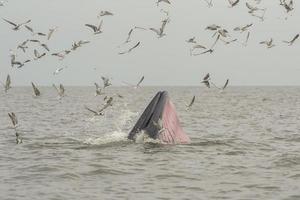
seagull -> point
(106, 82)
(14, 121)
(251, 8)
(292, 41)
(206, 80)
(16, 26)
(129, 50)
(36, 91)
(191, 103)
(60, 90)
(50, 33)
(288, 6)
(269, 43)
(165, 1)
(105, 13)
(98, 90)
(160, 32)
(228, 42)
(61, 55)
(96, 29)
(233, 3)
(38, 55)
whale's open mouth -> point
(160, 121)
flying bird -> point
(14, 121)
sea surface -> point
(245, 145)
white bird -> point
(14, 121)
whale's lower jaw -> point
(160, 122)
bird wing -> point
(95, 112)
(92, 27)
(8, 81)
(29, 28)
(9, 22)
(36, 90)
(295, 38)
(100, 25)
(227, 81)
(97, 86)
(206, 77)
(138, 84)
(155, 30)
(192, 101)
(36, 53)
(135, 46)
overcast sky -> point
(164, 61)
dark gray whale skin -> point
(149, 119)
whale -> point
(159, 121)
